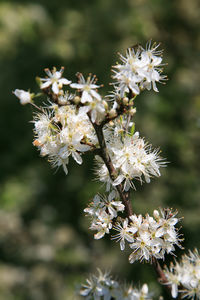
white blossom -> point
(148, 237)
(97, 287)
(87, 87)
(66, 98)
(132, 158)
(126, 233)
(102, 210)
(24, 97)
(104, 287)
(140, 69)
(55, 80)
(184, 276)
(102, 224)
(61, 132)
(97, 110)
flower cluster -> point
(78, 119)
(185, 275)
(65, 126)
(102, 211)
(62, 131)
(140, 69)
(104, 287)
(132, 158)
(148, 236)
(90, 98)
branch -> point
(161, 275)
(103, 152)
(125, 197)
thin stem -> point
(37, 107)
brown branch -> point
(125, 197)
(103, 152)
(162, 278)
(161, 275)
(120, 110)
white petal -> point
(57, 75)
(118, 180)
(135, 89)
(99, 235)
(77, 137)
(83, 111)
(112, 195)
(76, 156)
(45, 84)
(174, 290)
(157, 60)
(65, 169)
(48, 72)
(95, 95)
(64, 81)
(93, 86)
(86, 97)
(93, 115)
(83, 148)
(55, 88)
(77, 86)
(155, 87)
(122, 244)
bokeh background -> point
(46, 249)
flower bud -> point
(132, 111)
(111, 123)
(125, 100)
(77, 100)
(24, 97)
(156, 214)
(112, 113)
(145, 288)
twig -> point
(161, 275)
(103, 152)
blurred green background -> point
(46, 249)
